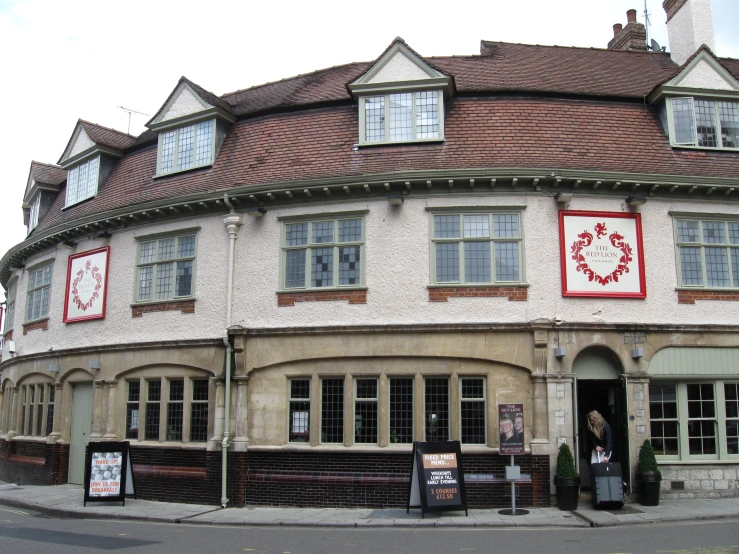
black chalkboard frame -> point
(127, 486)
(417, 477)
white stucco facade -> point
(689, 28)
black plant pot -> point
(568, 492)
(649, 486)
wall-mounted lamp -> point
(102, 235)
(560, 352)
(395, 199)
(54, 368)
(564, 197)
(256, 212)
(94, 365)
(70, 243)
(636, 200)
(637, 353)
(11, 346)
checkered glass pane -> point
(295, 269)
(204, 143)
(166, 249)
(728, 113)
(446, 227)
(151, 429)
(322, 267)
(147, 252)
(296, 234)
(332, 410)
(350, 230)
(682, 116)
(186, 247)
(473, 411)
(165, 274)
(184, 278)
(505, 226)
(705, 120)
(199, 411)
(714, 232)
(476, 226)
(687, 231)
(506, 261)
(401, 410)
(299, 416)
(145, 274)
(166, 152)
(374, 119)
(436, 410)
(690, 266)
(401, 116)
(447, 262)
(427, 115)
(365, 412)
(476, 262)
(90, 187)
(175, 409)
(735, 265)
(73, 176)
(349, 265)
(733, 233)
(717, 267)
(323, 232)
(186, 147)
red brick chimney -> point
(631, 37)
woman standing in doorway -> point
(599, 434)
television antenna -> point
(647, 23)
(129, 112)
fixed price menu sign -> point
(108, 472)
(437, 478)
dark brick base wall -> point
(33, 463)
(176, 475)
(381, 480)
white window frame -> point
(157, 263)
(33, 214)
(717, 123)
(78, 190)
(387, 118)
(10, 297)
(683, 419)
(39, 289)
(335, 244)
(462, 240)
(702, 245)
(163, 136)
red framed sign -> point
(602, 254)
(87, 285)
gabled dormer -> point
(89, 159)
(699, 106)
(401, 98)
(191, 126)
(44, 181)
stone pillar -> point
(12, 416)
(110, 422)
(383, 397)
(19, 419)
(540, 409)
(241, 415)
(56, 426)
(220, 413)
(315, 410)
(97, 409)
(419, 428)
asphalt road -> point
(22, 531)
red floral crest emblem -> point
(96, 276)
(585, 239)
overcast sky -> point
(64, 60)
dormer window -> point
(704, 123)
(186, 147)
(405, 116)
(82, 181)
(33, 217)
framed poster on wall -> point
(87, 285)
(602, 254)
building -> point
(304, 277)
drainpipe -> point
(232, 221)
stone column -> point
(220, 410)
(241, 415)
(56, 426)
(383, 397)
(97, 409)
(19, 419)
(540, 409)
(12, 416)
(110, 423)
(419, 429)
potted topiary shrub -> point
(566, 479)
(648, 476)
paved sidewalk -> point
(67, 501)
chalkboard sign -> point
(108, 472)
(437, 478)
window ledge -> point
(354, 295)
(702, 148)
(369, 448)
(514, 293)
(186, 306)
(169, 444)
(402, 142)
(709, 289)
(181, 171)
(478, 285)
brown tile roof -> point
(105, 136)
(503, 132)
(48, 174)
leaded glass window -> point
(332, 410)
(39, 291)
(299, 412)
(153, 409)
(10, 305)
(472, 410)
(705, 123)
(186, 147)
(708, 253)
(82, 181)
(33, 215)
(165, 268)
(199, 411)
(366, 413)
(436, 409)
(663, 419)
(401, 410)
(402, 117)
(476, 248)
(324, 253)
(132, 410)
